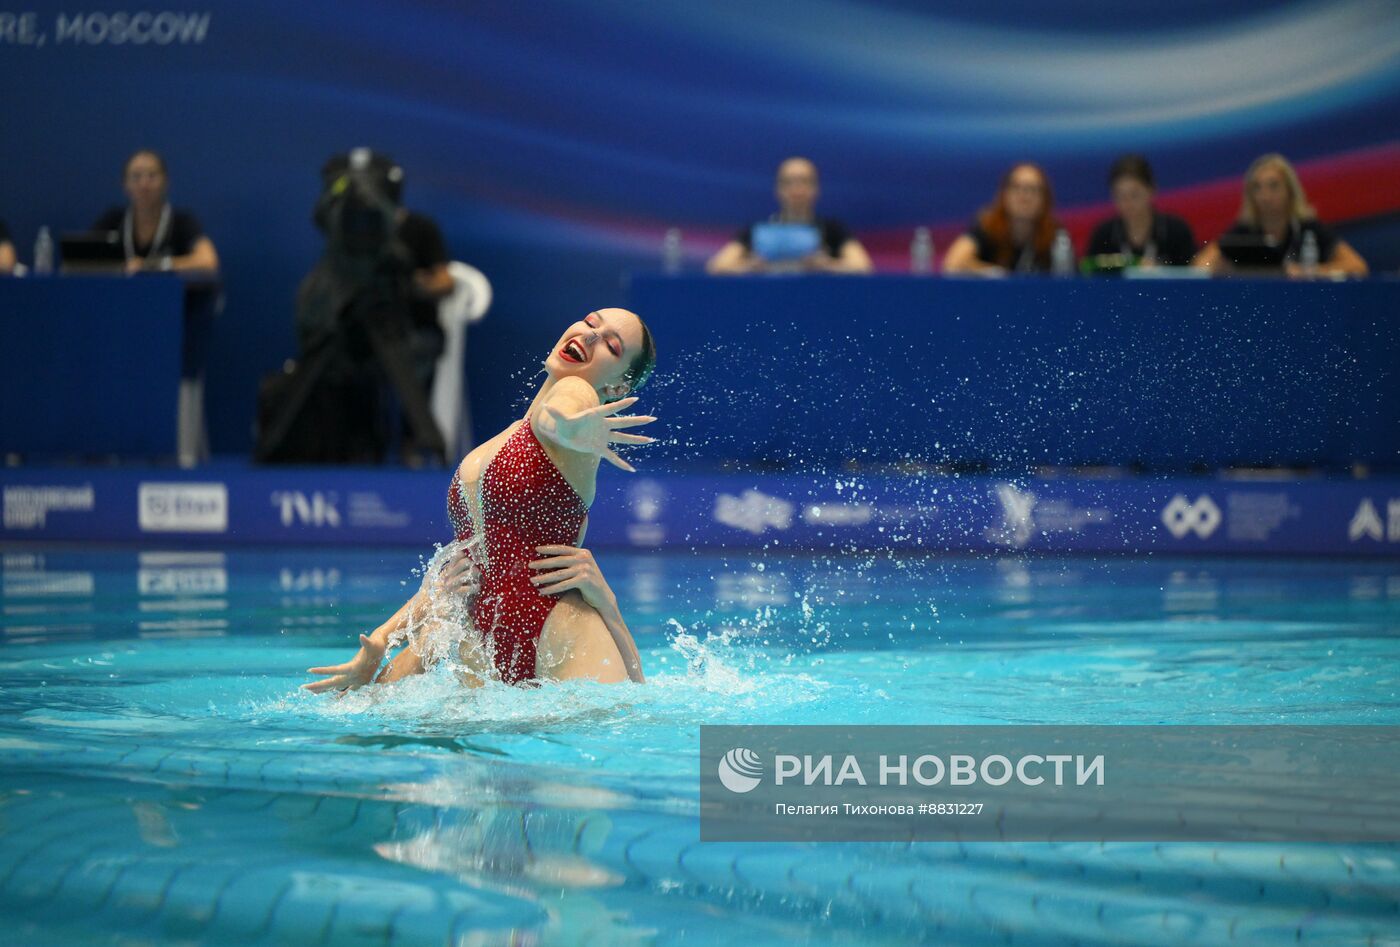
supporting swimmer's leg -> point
(575, 644)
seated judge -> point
(154, 235)
(157, 236)
(1139, 231)
(1275, 208)
(7, 250)
(1014, 234)
(836, 251)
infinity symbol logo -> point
(1181, 516)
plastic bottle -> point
(671, 251)
(921, 251)
(1062, 254)
(1308, 254)
(43, 253)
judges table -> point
(90, 365)
(1176, 375)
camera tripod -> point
(330, 354)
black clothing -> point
(1326, 238)
(179, 239)
(4, 232)
(426, 249)
(1024, 258)
(834, 234)
(1172, 241)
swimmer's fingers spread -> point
(353, 673)
(611, 457)
(630, 420)
(332, 669)
(613, 407)
(330, 683)
(618, 438)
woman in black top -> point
(1139, 230)
(797, 190)
(155, 235)
(7, 250)
(1015, 233)
(1276, 208)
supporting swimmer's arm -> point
(563, 568)
(362, 668)
(365, 665)
(612, 618)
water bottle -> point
(43, 253)
(1062, 254)
(671, 251)
(1308, 255)
(921, 251)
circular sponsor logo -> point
(740, 770)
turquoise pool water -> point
(163, 780)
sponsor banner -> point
(1049, 783)
(27, 506)
(990, 514)
(225, 505)
(182, 507)
(231, 504)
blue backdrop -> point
(556, 140)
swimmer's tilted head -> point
(611, 349)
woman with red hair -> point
(1015, 233)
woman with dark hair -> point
(155, 235)
(1015, 233)
(1139, 232)
(517, 598)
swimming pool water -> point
(163, 780)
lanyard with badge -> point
(162, 230)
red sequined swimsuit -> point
(525, 502)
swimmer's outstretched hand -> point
(356, 672)
(595, 430)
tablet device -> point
(1251, 251)
(781, 242)
(96, 252)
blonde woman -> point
(1276, 208)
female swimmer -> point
(538, 605)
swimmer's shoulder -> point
(572, 395)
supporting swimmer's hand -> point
(595, 430)
(356, 672)
(458, 574)
(571, 567)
